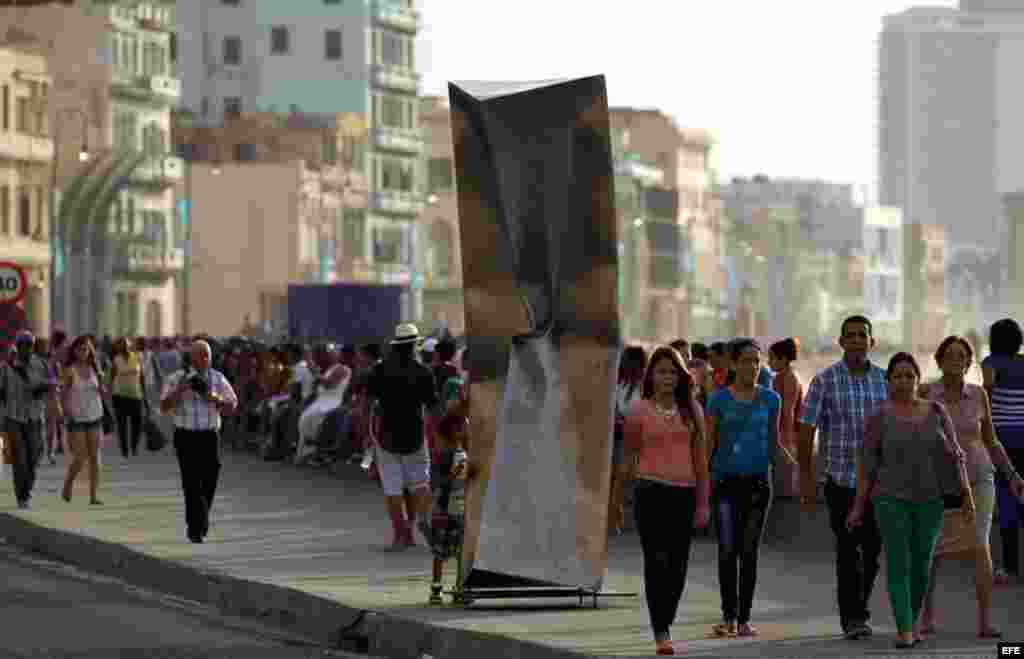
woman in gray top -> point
(909, 463)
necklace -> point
(665, 413)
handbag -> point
(155, 437)
(947, 470)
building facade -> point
(951, 114)
(670, 216)
(925, 312)
(26, 157)
(439, 259)
(144, 89)
(256, 228)
(239, 57)
(883, 276)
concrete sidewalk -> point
(306, 551)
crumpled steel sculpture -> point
(540, 265)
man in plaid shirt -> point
(838, 402)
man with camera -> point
(25, 386)
(196, 398)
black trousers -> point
(27, 448)
(741, 508)
(664, 520)
(1011, 537)
(128, 410)
(857, 554)
(199, 461)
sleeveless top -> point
(127, 383)
(967, 418)
(83, 402)
(1007, 398)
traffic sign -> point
(13, 283)
(12, 321)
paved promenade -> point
(306, 551)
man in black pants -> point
(838, 403)
(197, 398)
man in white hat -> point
(404, 388)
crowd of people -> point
(915, 469)
(715, 433)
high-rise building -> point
(240, 57)
(951, 117)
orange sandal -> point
(724, 629)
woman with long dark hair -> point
(128, 387)
(743, 433)
(665, 454)
(629, 389)
(83, 411)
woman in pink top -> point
(788, 386)
(666, 456)
(969, 408)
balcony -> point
(160, 171)
(393, 202)
(160, 89)
(397, 140)
(26, 148)
(396, 78)
(166, 87)
(396, 16)
(148, 261)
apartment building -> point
(256, 228)
(925, 311)
(239, 57)
(26, 157)
(883, 276)
(680, 284)
(439, 259)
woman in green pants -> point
(909, 465)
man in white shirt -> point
(196, 399)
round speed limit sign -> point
(13, 283)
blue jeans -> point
(741, 508)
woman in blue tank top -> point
(1004, 380)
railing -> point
(21, 146)
(397, 203)
(397, 16)
(166, 86)
(396, 77)
(397, 139)
(141, 257)
(160, 170)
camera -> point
(200, 385)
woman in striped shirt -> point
(1003, 372)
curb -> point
(330, 623)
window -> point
(232, 51)
(231, 3)
(204, 106)
(245, 152)
(439, 172)
(389, 245)
(332, 44)
(391, 49)
(24, 212)
(22, 113)
(353, 232)
(7, 108)
(5, 210)
(40, 207)
(279, 40)
(125, 130)
(173, 47)
(153, 60)
(392, 112)
(153, 140)
(232, 107)
(396, 174)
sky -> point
(787, 88)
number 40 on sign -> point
(13, 283)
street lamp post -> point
(56, 227)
